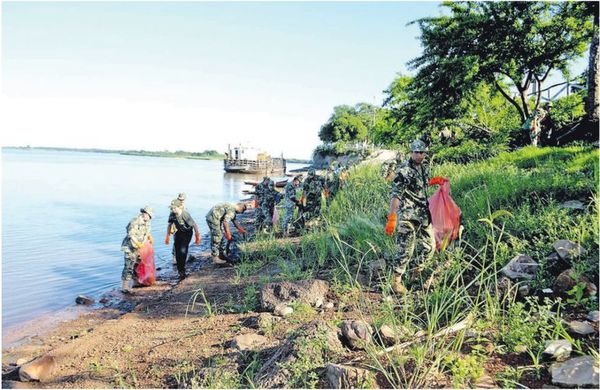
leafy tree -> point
(349, 123)
(506, 44)
(592, 102)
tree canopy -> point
(506, 44)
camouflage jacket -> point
(222, 212)
(313, 186)
(410, 187)
(290, 193)
(137, 230)
(260, 190)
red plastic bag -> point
(145, 270)
(445, 214)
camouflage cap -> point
(298, 177)
(181, 196)
(148, 210)
(418, 146)
(175, 203)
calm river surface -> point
(64, 215)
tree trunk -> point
(592, 102)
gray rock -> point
(572, 204)
(283, 310)
(248, 342)
(348, 377)
(558, 349)
(83, 300)
(520, 267)
(568, 250)
(40, 369)
(305, 291)
(328, 306)
(356, 333)
(577, 372)
(581, 327)
(593, 316)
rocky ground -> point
(199, 333)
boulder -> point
(356, 333)
(274, 372)
(389, 335)
(558, 349)
(568, 250)
(40, 369)
(593, 316)
(581, 327)
(305, 291)
(569, 279)
(520, 267)
(84, 300)
(577, 372)
(248, 342)
(348, 377)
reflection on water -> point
(64, 215)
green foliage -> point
(567, 109)
(349, 123)
(526, 327)
(518, 43)
(465, 370)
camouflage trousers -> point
(289, 215)
(264, 216)
(218, 242)
(415, 247)
(312, 209)
(131, 260)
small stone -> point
(319, 302)
(348, 377)
(520, 267)
(328, 306)
(558, 349)
(547, 291)
(568, 250)
(247, 342)
(40, 369)
(357, 333)
(593, 316)
(581, 327)
(283, 310)
(572, 204)
(388, 335)
(577, 372)
(524, 290)
(569, 279)
(84, 300)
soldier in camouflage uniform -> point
(388, 168)
(259, 192)
(218, 219)
(268, 199)
(415, 242)
(311, 191)
(290, 202)
(138, 233)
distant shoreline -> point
(205, 155)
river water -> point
(64, 215)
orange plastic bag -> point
(145, 270)
(445, 214)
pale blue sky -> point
(197, 76)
